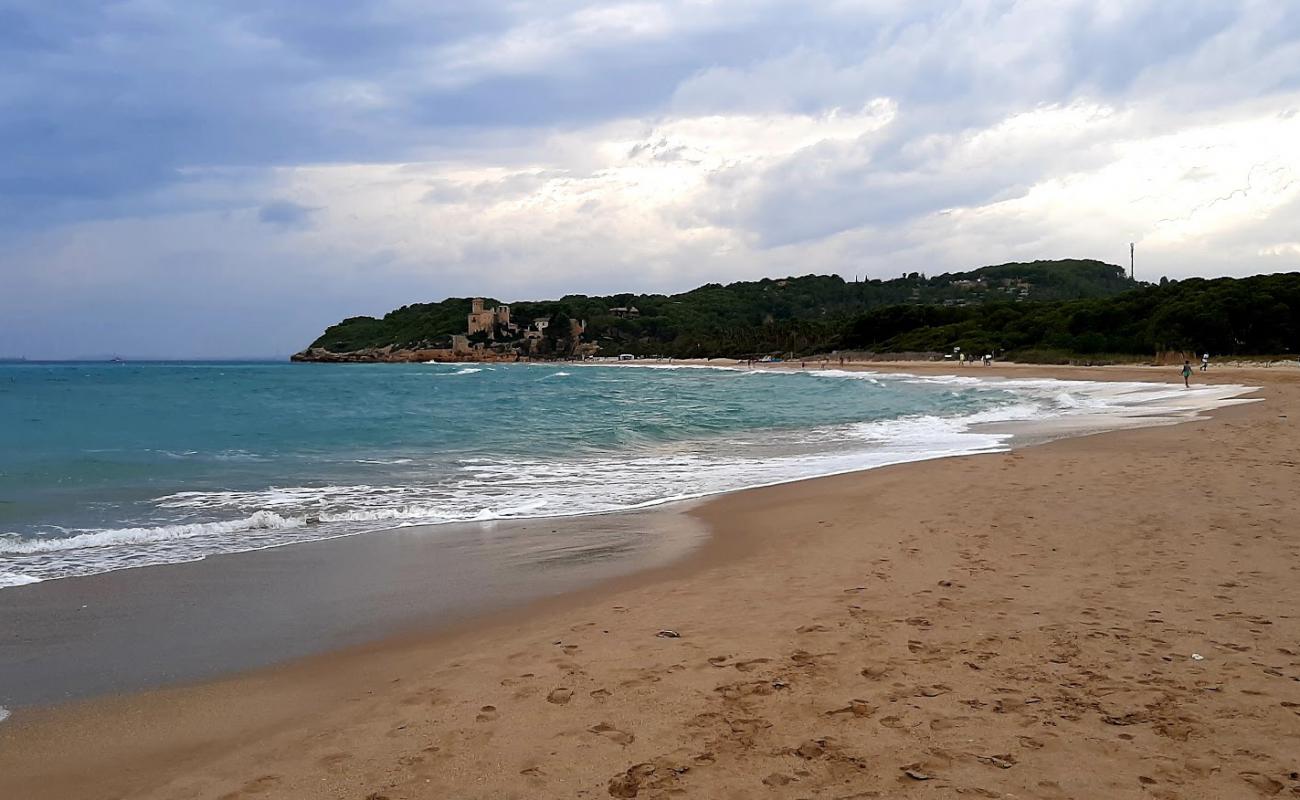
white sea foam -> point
(484, 488)
(261, 520)
(16, 579)
(4, 713)
(674, 366)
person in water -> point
(1187, 374)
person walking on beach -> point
(1205, 362)
(1187, 374)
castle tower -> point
(479, 319)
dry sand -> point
(1115, 616)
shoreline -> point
(76, 638)
(340, 674)
(1028, 431)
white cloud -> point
(760, 138)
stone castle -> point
(482, 320)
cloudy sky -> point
(204, 178)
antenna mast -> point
(1131, 271)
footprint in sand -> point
(1263, 783)
(486, 714)
(858, 708)
(254, 787)
(332, 760)
(613, 734)
(600, 694)
(560, 696)
(812, 629)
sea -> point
(110, 466)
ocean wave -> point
(626, 364)
(114, 537)
(509, 513)
(644, 461)
(16, 579)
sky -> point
(192, 178)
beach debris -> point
(1197, 657)
(914, 772)
(668, 634)
(1005, 761)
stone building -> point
(485, 321)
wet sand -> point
(179, 623)
(1008, 625)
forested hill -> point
(1259, 315)
(745, 317)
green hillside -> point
(791, 314)
(1226, 316)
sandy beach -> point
(1110, 616)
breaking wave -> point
(635, 441)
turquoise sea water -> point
(108, 466)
